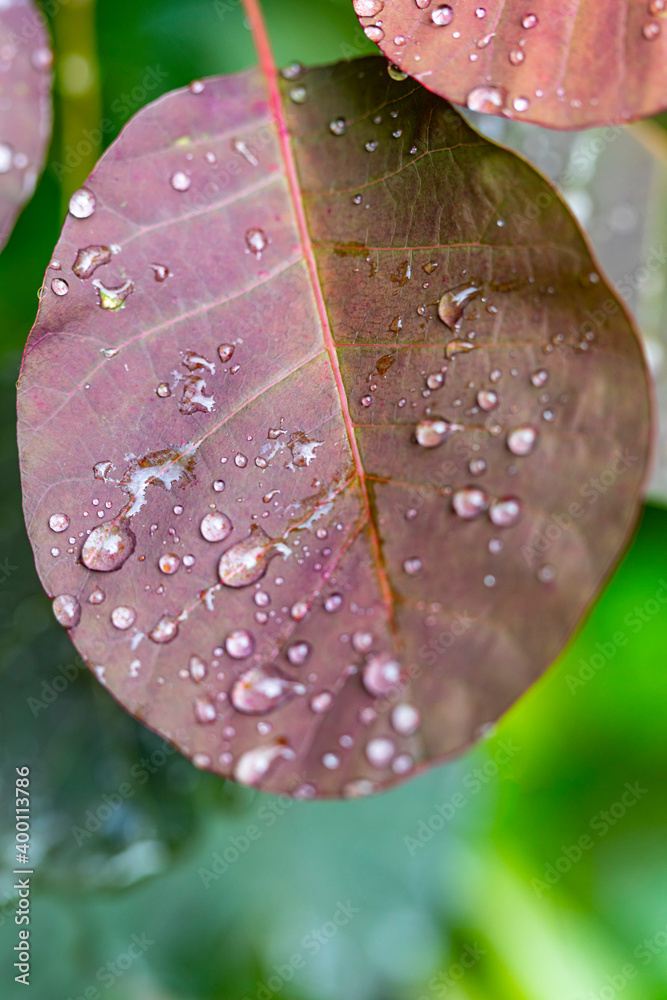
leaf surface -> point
(567, 65)
(300, 473)
(25, 106)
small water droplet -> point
(82, 203)
(163, 390)
(539, 378)
(480, 12)
(197, 669)
(239, 644)
(112, 298)
(299, 95)
(96, 596)
(521, 440)
(405, 719)
(546, 574)
(651, 30)
(505, 512)
(412, 566)
(321, 702)
(520, 103)
(226, 351)
(454, 301)
(529, 21)
(292, 72)
(367, 8)
(67, 610)
(469, 502)
(487, 100)
(487, 400)
(160, 272)
(371, 146)
(380, 751)
(396, 73)
(254, 764)
(337, 126)
(432, 431)
(299, 611)
(333, 602)
(442, 15)
(435, 381)
(381, 674)
(89, 259)
(477, 466)
(59, 286)
(165, 630)
(256, 241)
(256, 692)
(180, 181)
(298, 653)
(374, 32)
(107, 547)
(59, 522)
(246, 562)
(215, 527)
(489, 580)
(331, 761)
(169, 563)
(517, 56)
(204, 710)
(123, 617)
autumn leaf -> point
(566, 64)
(330, 428)
(25, 106)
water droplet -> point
(367, 8)
(298, 653)
(487, 100)
(239, 644)
(396, 73)
(422, 4)
(495, 546)
(480, 12)
(539, 378)
(469, 502)
(657, 6)
(299, 611)
(520, 103)
(546, 574)
(529, 21)
(59, 522)
(292, 72)
(371, 146)
(97, 596)
(226, 351)
(454, 301)
(82, 203)
(204, 710)
(432, 431)
(180, 181)
(253, 765)
(165, 630)
(256, 241)
(442, 15)
(380, 751)
(435, 381)
(89, 259)
(651, 30)
(59, 286)
(505, 512)
(487, 399)
(299, 95)
(331, 761)
(123, 617)
(321, 702)
(477, 466)
(374, 32)
(215, 527)
(366, 400)
(169, 563)
(333, 602)
(196, 87)
(67, 610)
(521, 440)
(256, 692)
(112, 298)
(412, 566)
(240, 460)
(337, 126)
(362, 641)
(197, 669)
(381, 674)
(489, 580)
(107, 547)
(517, 56)
(246, 562)
(405, 719)
(455, 347)
(163, 390)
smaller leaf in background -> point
(25, 106)
(559, 63)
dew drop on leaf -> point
(469, 502)
(381, 674)
(67, 610)
(246, 562)
(180, 181)
(253, 765)
(405, 719)
(225, 352)
(432, 431)
(505, 512)
(82, 203)
(108, 546)
(487, 100)
(239, 644)
(89, 259)
(123, 617)
(380, 751)
(442, 15)
(521, 440)
(215, 527)
(58, 522)
(255, 691)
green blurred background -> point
(233, 894)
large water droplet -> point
(367, 8)
(432, 431)
(374, 32)
(82, 203)
(253, 765)
(59, 286)
(215, 527)
(469, 502)
(67, 610)
(246, 562)
(89, 259)
(165, 630)
(256, 692)
(169, 563)
(239, 644)
(108, 546)
(521, 440)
